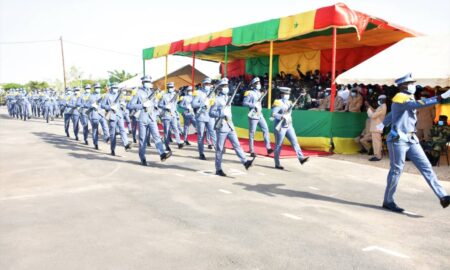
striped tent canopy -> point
(301, 33)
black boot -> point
(253, 155)
(210, 147)
(220, 173)
(86, 142)
(202, 157)
(393, 207)
(113, 153)
(96, 147)
(144, 162)
(248, 163)
(303, 160)
(187, 143)
(445, 201)
(168, 148)
(269, 151)
(128, 147)
(165, 156)
(279, 167)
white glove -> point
(227, 111)
(95, 106)
(446, 94)
(115, 108)
(288, 118)
(380, 127)
(168, 107)
(146, 104)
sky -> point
(121, 29)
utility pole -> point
(64, 67)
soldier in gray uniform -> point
(188, 113)
(168, 105)
(72, 104)
(83, 105)
(201, 105)
(111, 103)
(402, 141)
(221, 112)
(145, 104)
(252, 100)
(97, 115)
(281, 112)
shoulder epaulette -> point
(277, 103)
(401, 98)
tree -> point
(74, 78)
(8, 86)
(119, 76)
(36, 85)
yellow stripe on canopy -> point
(307, 61)
(208, 37)
(161, 50)
(296, 25)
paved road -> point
(64, 205)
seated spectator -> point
(364, 139)
(304, 102)
(355, 101)
(377, 117)
(425, 119)
(440, 136)
(339, 105)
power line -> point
(28, 42)
(100, 49)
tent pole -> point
(143, 67)
(269, 99)
(225, 72)
(193, 71)
(333, 71)
(165, 76)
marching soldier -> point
(188, 113)
(168, 105)
(402, 141)
(111, 103)
(145, 105)
(201, 105)
(281, 113)
(67, 110)
(72, 104)
(97, 115)
(253, 100)
(221, 111)
(83, 105)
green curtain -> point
(258, 66)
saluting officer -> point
(402, 141)
(281, 112)
(221, 112)
(255, 116)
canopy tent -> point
(181, 76)
(427, 58)
(330, 39)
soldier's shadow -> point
(77, 150)
(272, 190)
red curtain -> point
(235, 68)
(348, 58)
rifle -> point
(152, 96)
(287, 112)
(174, 99)
(206, 107)
(253, 113)
(219, 122)
(114, 106)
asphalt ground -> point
(64, 205)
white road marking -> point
(260, 173)
(292, 216)
(411, 214)
(207, 173)
(235, 172)
(332, 195)
(314, 188)
(225, 191)
(179, 174)
(387, 251)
